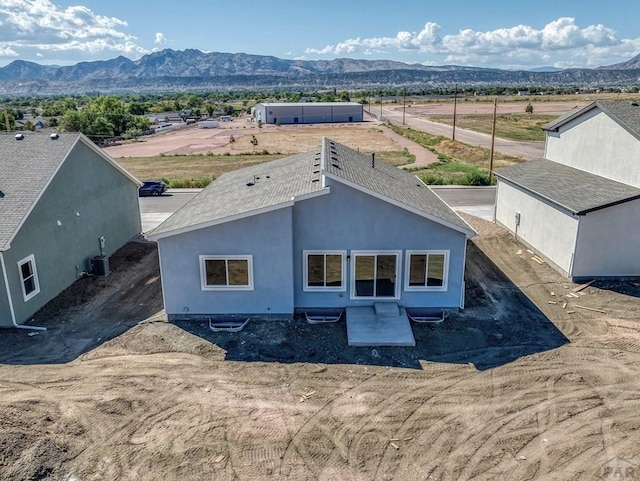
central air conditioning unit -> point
(100, 266)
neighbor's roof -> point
(627, 114)
(575, 190)
(27, 167)
(276, 184)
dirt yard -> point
(507, 389)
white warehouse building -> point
(307, 112)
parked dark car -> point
(152, 187)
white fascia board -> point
(311, 195)
(108, 158)
(467, 232)
(222, 220)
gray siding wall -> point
(90, 198)
(542, 226)
(595, 143)
(608, 242)
(266, 236)
(347, 219)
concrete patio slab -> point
(364, 328)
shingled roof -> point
(276, 184)
(247, 191)
(390, 183)
(28, 163)
(574, 190)
(627, 114)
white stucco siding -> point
(596, 143)
(542, 226)
(609, 242)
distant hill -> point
(631, 64)
(545, 69)
(170, 70)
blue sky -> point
(490, 33)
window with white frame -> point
(29, 277)
(324, 271)
(426, 271)
(226, 273)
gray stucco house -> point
(579, 207)
(59, 194)
(329, 229)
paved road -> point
(477, 201)
(526, 150)
(155, 210)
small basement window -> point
(324, 271)
(28, 277)
(426, 271)
(226, 273)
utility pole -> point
(493, 139)
(404, 103)
(455, 105)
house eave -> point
(243, 215)
(569, 210)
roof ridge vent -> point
(19, 136)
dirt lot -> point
(285, 139)
(503, 390)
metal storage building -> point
(308, 112)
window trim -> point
(203, 272)
(305, 271)
(425, 288)
(398, 290)
(29, 259)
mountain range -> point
(170, 70)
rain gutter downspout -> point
(13, 314)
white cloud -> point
(519, 46)
(160, 38)
(30, 27)
(6, 51)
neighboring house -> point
(59, 195)
(307, 112)
(579, 207)
(322, 230)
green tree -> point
(210, 108)
(137, 108)
(73, 121)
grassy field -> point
(523, 127)
(184, 171)
(458, 163)
(189, 170)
